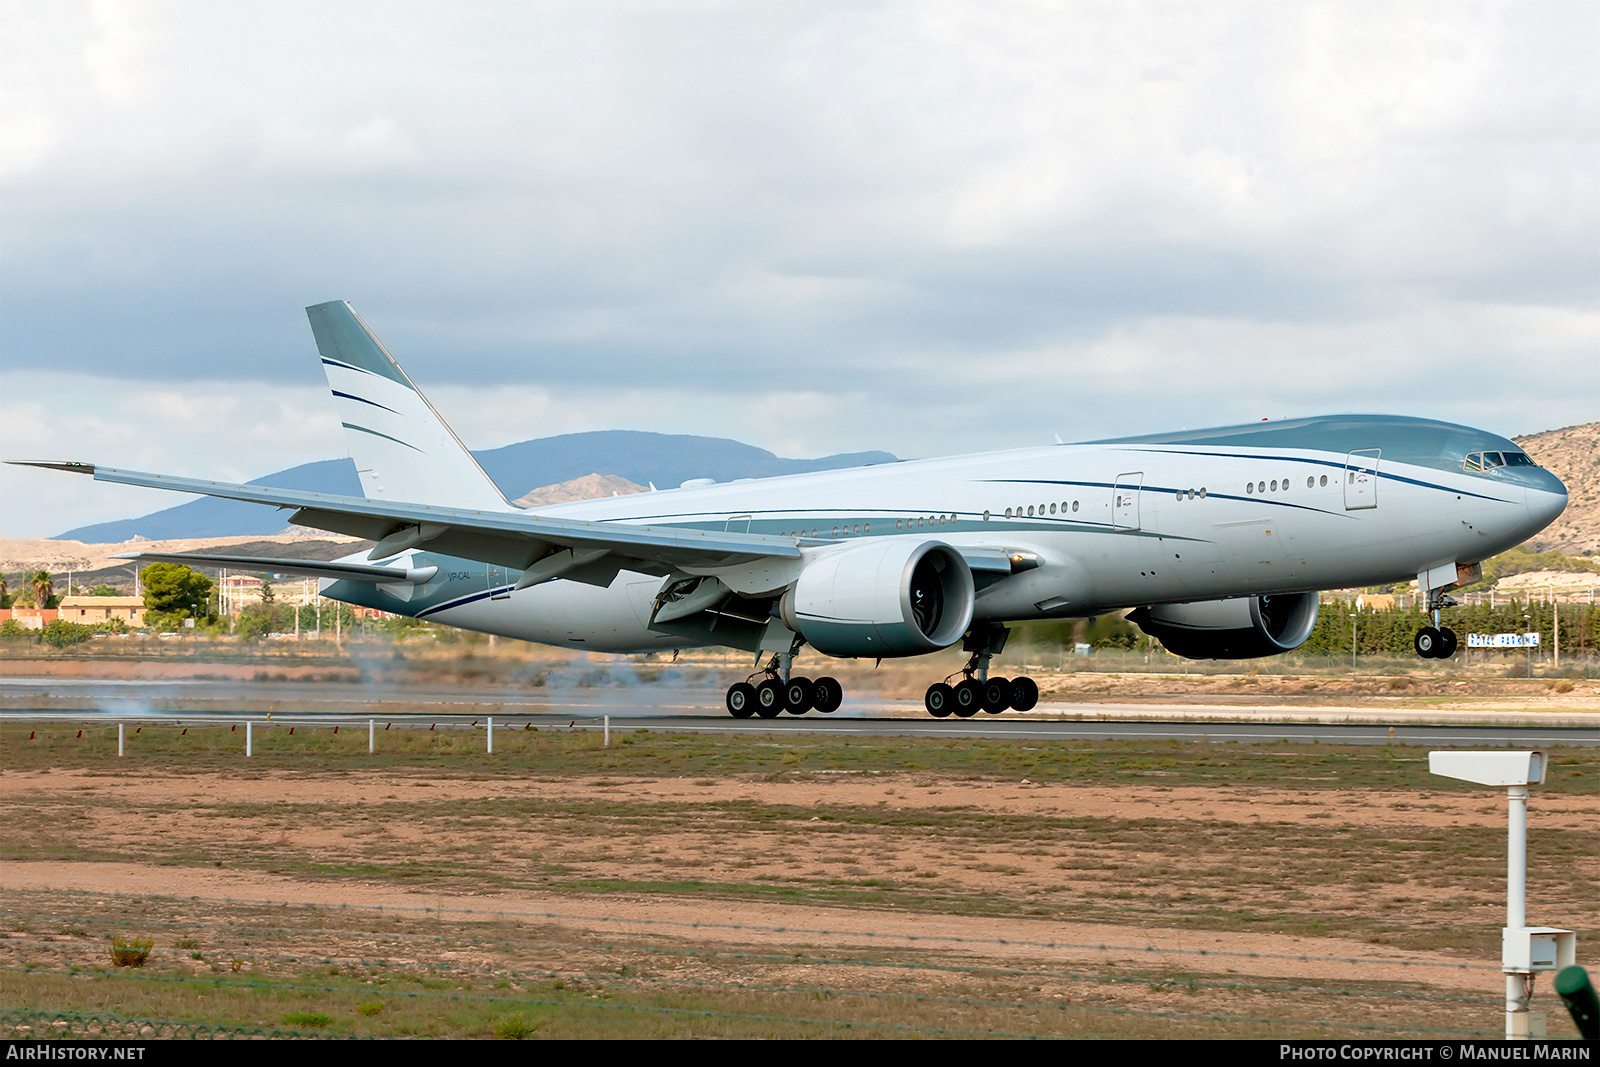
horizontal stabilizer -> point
(54, 465)
(307, 568)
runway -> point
(197, 702)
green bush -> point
(13, 628)
(60, 633)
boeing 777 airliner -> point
(1217, 539)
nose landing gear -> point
(1436, 642)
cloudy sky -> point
(923, 227)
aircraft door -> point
(1361, 479)
(1251, 549)
(499, 586)
(1125, 501)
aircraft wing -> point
(517, 540)
(307, 568)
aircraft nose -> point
(1546, 502)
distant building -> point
(29, 618)
(89, 610)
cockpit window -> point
(1482, 461)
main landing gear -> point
(778, 692)
(977, 690)
(1436, 642)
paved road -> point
(24, 700)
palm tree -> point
(43, 588)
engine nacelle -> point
(888, 596)
(1237, 628)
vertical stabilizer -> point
(402, 448)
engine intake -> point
(889, 596)
(1237, 628)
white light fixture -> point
(1524, 949)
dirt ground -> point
(981, 902)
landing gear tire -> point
(1447, 643)
(769, 699)
(968, 697)
(1428, 642)
(741, 700)
(940, 700)
(828, 694)
(996, 695)
(1024, 694)
(799, 696)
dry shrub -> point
(514, 1027)
(130, 951)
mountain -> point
(589, 487)
(211, 517)
(668, 460)
(1573, 455)
(638, 457)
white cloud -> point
(924, 227)
(119, 55)
(230, 431)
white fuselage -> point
(1113, 525)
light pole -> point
(1352, 644)
(1527, 626)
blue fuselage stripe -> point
(1340, 465)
